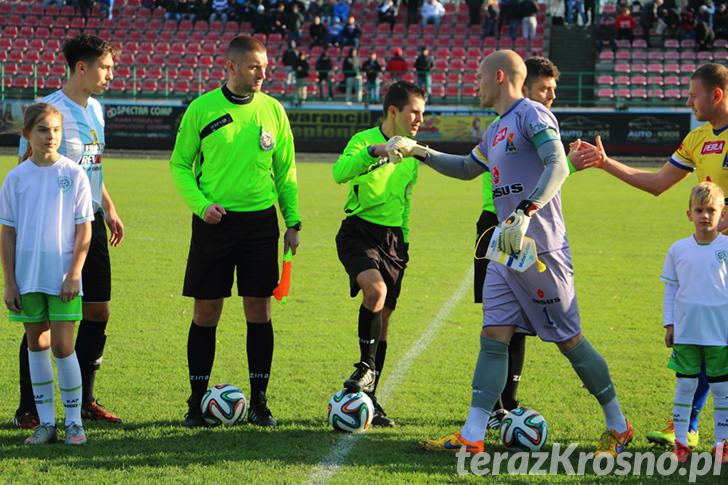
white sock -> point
(476, 424)
(614, 417)
(69, 380)
(683, 406)
(720, 410)
(41, 375)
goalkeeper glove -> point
(515, 226)
(399, 147)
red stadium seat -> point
(149, 86)
(671, 81)
(605, 79)
(32, 56)
(206, 61)
(672, 94)
(21, 82)
(15, 56)
(438, 91)
(181, 86)
(672, 44)
(622, 67)
(639, 55)
(687, 56)
(657, 56)
(638, 93)
(452, 92)
(56, 69)
(48, 57)
(705, 56)
(638, 81)
(154, 73)
(53, 82)
(655, 94)
(622, 80)
(122, 71)
(26, 69)
(178, 48)
(606, 56)
(655, 80)
(10, 31)
(686, 44)
(142, 59)
(654, 68)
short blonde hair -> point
(707, 193)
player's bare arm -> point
(113, 221)
(7, 253)
(72, 281)
(653, 182)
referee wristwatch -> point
(296, 226)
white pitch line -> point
(328, 467)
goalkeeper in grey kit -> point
(523, 151)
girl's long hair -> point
(32, 116)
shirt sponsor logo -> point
(500, 136)
(510, 146)
(546, 301)
(507, 189)
(91, 154)
(215, 125)
(712, 147)
(65, 183)
(496, 175)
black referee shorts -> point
(486, 221)
(363, 245)
(242, 241)
(96, 272)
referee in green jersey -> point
(233, 158)
(373, 240)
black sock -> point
(200, 356)
(516, 356)
(379, 362)
(90, 343)
(370, 327)
(260, 357)
(27, 400)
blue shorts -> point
(543, 304)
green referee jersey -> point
(379, 191)
(237, 152)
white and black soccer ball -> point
(350, 412)
(224, 404)
(524, 429)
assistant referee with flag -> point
(233, 158)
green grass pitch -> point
(618, 235)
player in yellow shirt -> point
(704, 151)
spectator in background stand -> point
(704, 35)
(721, 22)
(528, 11)
(649, 16)
(314, 9)
(490, 20)
(668, 22)
(294, 21)
(59, 4)
(219, 11)
(342, 9)
(324, 68)
(260, 19)
(505, 7)
(201, 10)
(327, 12)
(372, 70)
(318, 32)
(334, 32)
(277, 19)
(171, 8)
(606, 34)
(351, 33)
(432, 13)
(397, 66)
(387, 13)
(590, 9)
(86, 7)
(625, 24)
(352, 75)
(474, 9)
(302, 69)
(413, 10)
(186, 11)
(574, 10)
(423, 66)
(241, 10)
(289, 60)
(687, 23)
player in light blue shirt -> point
(91, 62)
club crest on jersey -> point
(510, 146)
(713, 147)
(721, 255)
(65, 183)
(500, 136)
(267, 142)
